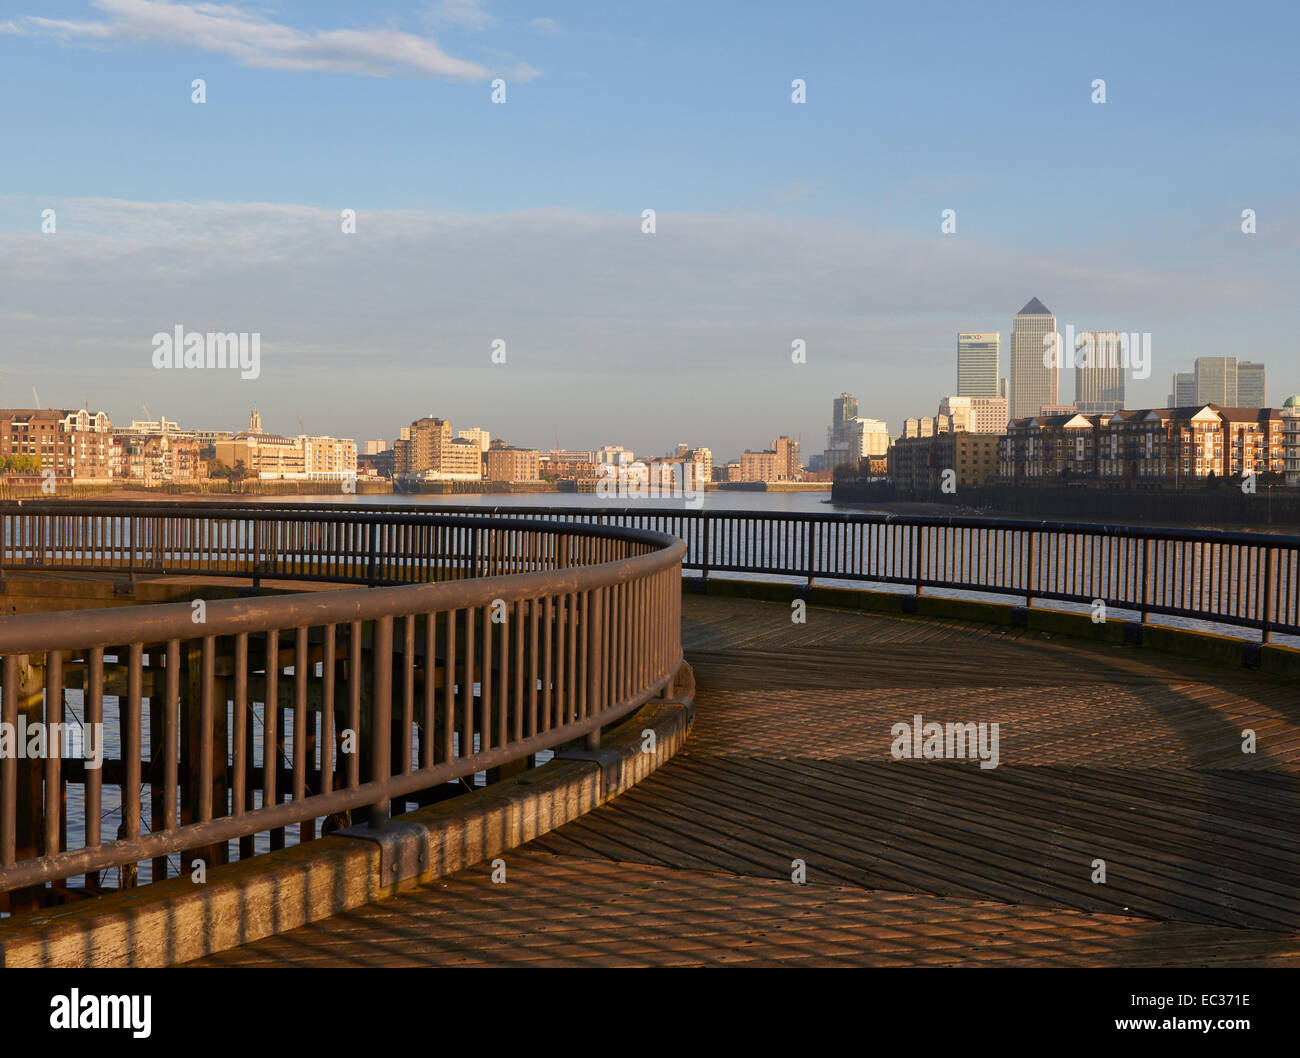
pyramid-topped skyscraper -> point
(1032, 384)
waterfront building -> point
(1045, 447)
(504, 462)
(916, 464)
(426, 451)
(1253, 440)
(75, 445)
(1291, 440)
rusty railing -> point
(472, 648)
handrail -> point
(1232, 578)
(549, 633)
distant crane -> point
(36, 397)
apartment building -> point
(75, 445)
(1050, 446)
(778, 463)
(975, 414)
(503, 462)
(1291, 440)
(1166, 446)
(918, 463)
(274, 457)
(160, 459)
(427, 451)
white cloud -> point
(252, 40)
(467, 14)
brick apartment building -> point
(503, 462)
(1157, 446)
(76, 445)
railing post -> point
(1031, 576)
(381, 717)
(257, 554)
(595, 661)
(811, 529)
(372, 536)
(1266, 628)
(1147, 587)
(916, 559)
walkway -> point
(1110, 753)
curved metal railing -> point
(522, 636)
(1243, 579)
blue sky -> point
(775, 221)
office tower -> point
(1184, 390)
(1250, 385)
(845, 407)
(1098, 373)
(1216, 381)
(1033, 384)
(977, 364)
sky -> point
(522, 221)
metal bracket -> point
(403, 848)
(610, 761)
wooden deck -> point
(1106, 753)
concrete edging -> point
(176, 921)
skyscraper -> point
(845, 407)
(1033, 385)
(1184, 389)
(1098, 373)
(1251, 389)
(977, 364)
(1216, 381)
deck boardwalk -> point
(1106, 753)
